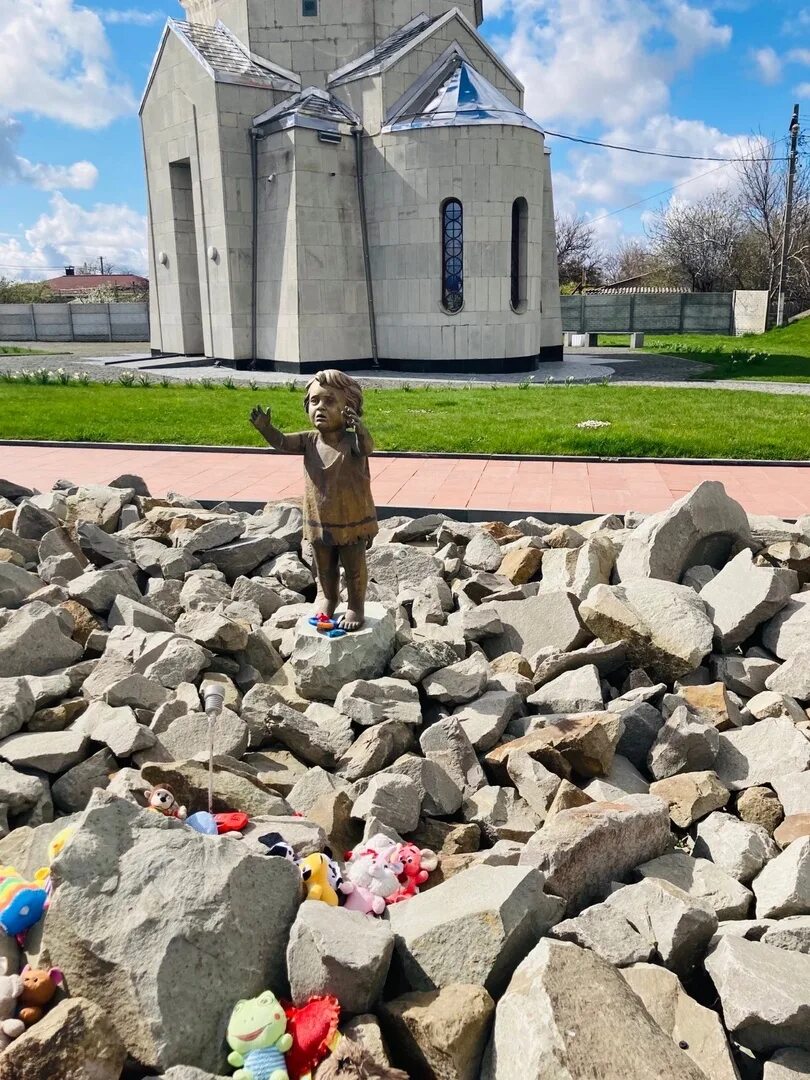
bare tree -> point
(578, 253)
(629, 259)
(701, 240)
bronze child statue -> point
(340, 520)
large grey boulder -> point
(664, 625)
(460, 682)
(485, 719)
(793, 790)
(694, 1028)
(391, 799)
(473, 928)
(320, 737)
(440, 1033)
(73, 789)
(98, 589)
(579, 569)
(34, 642)
(793, 677)
(17, 705)
(400, 566)
(370, 701)
(702, 528)
(548, 619)
(16, 585)
(738, 847)
(743, 595)
(623, 778)
(535, 784)
(74, 1040)
(446, 744)
(321, 666)
(189, 782)
(189, 736)
(420, 658)
(117, 728)
(143, 904)
(760, 753)
(783, 886)
(48, 751)
(375, 748)
(439, 794)
(567, 1011)
(673, 923)
(789, 630)
(171, 660)
(685, 743)
(335, 951)
(582, 850)
(606, 932)
(764, 992)
(572, 692)
(703, 881)
(243, 555)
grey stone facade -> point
(300, 156)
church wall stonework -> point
(409, 177)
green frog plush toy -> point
(258, 1037)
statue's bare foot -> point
(323, 606)
(352, 620)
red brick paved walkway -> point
(447, 482)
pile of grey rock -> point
(601, 729)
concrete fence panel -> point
(74, 322)
(653, 313)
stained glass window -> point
(452, 256)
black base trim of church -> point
(499, 365)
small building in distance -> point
(72, 286)
(333, 183)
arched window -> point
(452, 256)
(520, 223)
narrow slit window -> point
(520, 222)
(309, 8)
(452, 256)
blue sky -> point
(682, 76)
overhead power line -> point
(655, 153)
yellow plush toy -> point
(315, 875)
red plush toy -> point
(416, 864)
(314, 1030)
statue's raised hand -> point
(259, 418)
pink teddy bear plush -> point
(371, 875)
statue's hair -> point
(338, 380)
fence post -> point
(681, 313)
(70, 320)
(109, 324)
(632, 312)
(34, 322)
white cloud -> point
(57, 63)
(68, 233)
(585, 60)
(768, 64)
(131, 17)
(803, 90)
(17, 169)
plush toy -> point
(320, 873)
(39, 986)
(315, 875)
(163, 801)
(372, 870)
(351, 1061)
(58, 843)
(314, 1031)
(11, 986)
(258, 1038)
(416, 865)
(22, 902)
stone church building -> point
(343, 183)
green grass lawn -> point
(645, 421)
(783, 354)
(16, 350)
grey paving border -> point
(418, 454)
(551, 517)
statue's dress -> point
(338, 505)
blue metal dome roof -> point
(463, 97)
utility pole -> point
(794, 140)
(101, 259)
